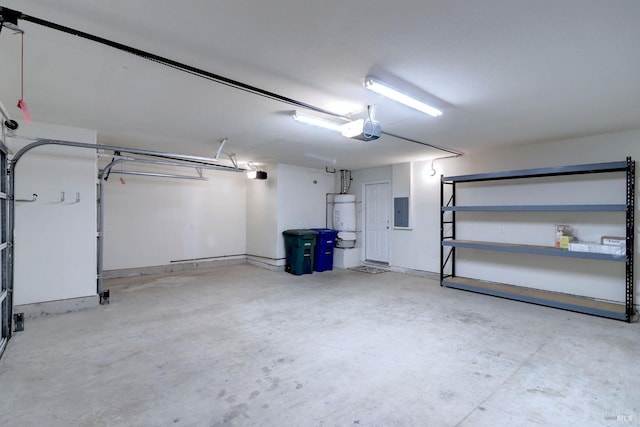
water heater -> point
(344, 220)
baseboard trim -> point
(173, 268)
(266, 263)
(47, 308)
(414, 272)
(262, 262)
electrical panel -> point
(401, 212)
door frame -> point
(363, 218)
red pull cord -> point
(21, 104)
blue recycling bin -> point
(323, 251)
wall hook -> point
(61, 196)
(32, 199)
(77, 197)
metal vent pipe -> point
(345, 181)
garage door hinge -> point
(18, 321)
(104, 297)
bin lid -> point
(325, 231)
(300, 232)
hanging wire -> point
(364, 126)
(433, 161)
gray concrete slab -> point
(239, 345)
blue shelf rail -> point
(535, 173)
(537, 208)
(449, 243)
(531, 249)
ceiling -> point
(505, 72)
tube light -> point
(382, 88)
(317, 121)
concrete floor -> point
(239, 345)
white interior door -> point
(377, 216)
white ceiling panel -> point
(505, 73)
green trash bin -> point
(299, 247)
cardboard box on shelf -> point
(565, 241)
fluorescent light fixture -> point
(365, 130)
(317, 121)
(384, 89)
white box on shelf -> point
(579, 247)
(613, 241)
(607, 249)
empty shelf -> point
(537, 296)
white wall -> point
(413, 248)
(262, 217)
(301, 199)
(153, 221)
(291, 197)
(55, 242)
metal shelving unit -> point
(582, 304)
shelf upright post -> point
(453, 229)
(442, 214)
(441, 229)
(449, 257)
(630, 237)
